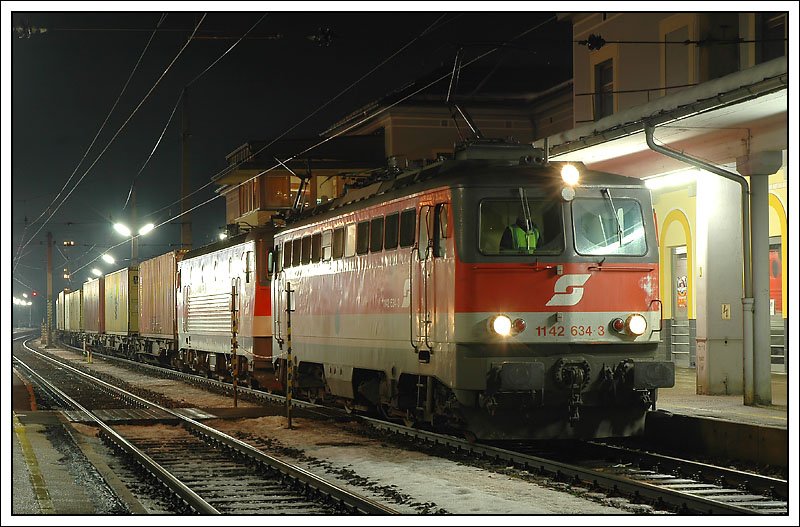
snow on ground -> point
(413, 482)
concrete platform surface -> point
(683, 400)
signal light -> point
(35, 293)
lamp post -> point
(125, 231)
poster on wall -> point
(681, 290)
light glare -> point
(570, 175)
(502, 325)
(122, 229)
(636, 324)
(147, 228)
(96, 272)
(108, 258)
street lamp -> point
(126, 231)
(108, 258)
(97, 272)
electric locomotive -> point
(496, 293)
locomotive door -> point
(428, 265)
(279, 294)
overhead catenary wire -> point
(175, 107)
(323, 106)
(102, 127)
(147, 95)
(348, 128)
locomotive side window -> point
(376, 235)
(350, 240)
(602, 229)
(424, 230)
(287, 254)
(407, 224)
(338, 242)
(392, 230)
(305, 250)
(316, 247)
(362, 237)
(296, 243)
(277, 258)
(327, 245)
(440, 230)
(507, 228)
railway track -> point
(201, 469)
(678, 485)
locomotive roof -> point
(253, 234)
(458, 174)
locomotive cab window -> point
(511, 227)
(602, 228)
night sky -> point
(64, 82)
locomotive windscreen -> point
(605, 229)
(506, 228)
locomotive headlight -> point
(501, 325)
(570, 175)
(636, 324)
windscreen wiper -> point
(607, 193)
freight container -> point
(157, 286)
(94, 306)
(60, 308)
(73, 315)
(122, 302)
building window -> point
(603, 89)
(770, 36)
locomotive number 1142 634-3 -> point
(570, 331)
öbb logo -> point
(568, 290)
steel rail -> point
(755, 482)
(353, 502)
(635, 489)
(175, 485)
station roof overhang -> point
(717, 120)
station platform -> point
(683, 399)
(721, 426)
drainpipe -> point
(747, 301)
